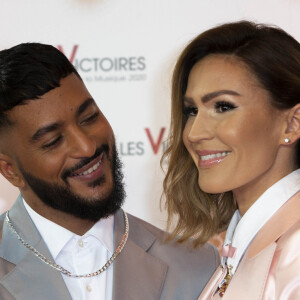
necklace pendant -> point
(226, 280)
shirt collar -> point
(242, 230)
(56, 236)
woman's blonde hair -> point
(273, 56)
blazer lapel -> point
(279, 223)
(31, 278)
(137, 274)
(250, 278)
(248, 283)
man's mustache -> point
(85, 161)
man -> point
(57, 147)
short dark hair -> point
(28, 71)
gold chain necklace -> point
(226, 280)
(60, 268)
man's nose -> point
(82, 144)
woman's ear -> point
(8, 170)
(292, 132)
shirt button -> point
(80, 243)
(89, 288)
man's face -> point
(63, 148)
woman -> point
(234, 154)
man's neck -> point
(72, 223)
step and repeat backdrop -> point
(125, 51)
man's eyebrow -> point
(44, 130)
(54, 126)
(84, 106)
(215, 94)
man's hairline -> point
(9, 123)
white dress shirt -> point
(80, 255)
(242, 230)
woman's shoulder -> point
(289, 243)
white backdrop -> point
(125, 51)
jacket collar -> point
(137, 274)
(29, 269)
(279, 223)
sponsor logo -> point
(106, 68)
(155, 144)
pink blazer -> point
(270, 268)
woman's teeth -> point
(216, 155)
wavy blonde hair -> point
(201, 215)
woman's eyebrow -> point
(215, 94)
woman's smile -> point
(210, 158)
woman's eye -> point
(190, 111)
(53, 143)
(90, 118)
(223, 106)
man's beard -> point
(62, 198)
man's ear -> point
(292, 132)
(10, 172)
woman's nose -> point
(199, 128)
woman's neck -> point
(247, 194)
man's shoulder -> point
(184, 252)
(135, 221)
(189, 269)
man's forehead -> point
(40, 110)
(70, 95)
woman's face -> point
(233, 133)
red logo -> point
(73, 52)
(155, 145)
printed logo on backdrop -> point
(155, 144)
(107, 68)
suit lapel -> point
(137, 274)
(31, 278)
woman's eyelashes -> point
(223, 106)
(219, 107)
(190, 111)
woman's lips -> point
(210, 158)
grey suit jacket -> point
(146, 269)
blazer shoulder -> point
(135, 222)
(189, 269)
(289, 242)
(179, 253)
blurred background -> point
(125, 51)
